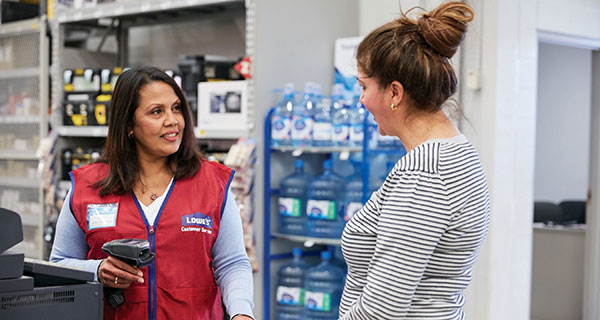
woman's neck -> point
(422, 127)
(154, 177)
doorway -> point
(562, 173)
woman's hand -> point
(115, 273)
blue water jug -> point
(290, 288)
(324, 285)
(292, 201)
(380, 166)
(353, 193)
(337, 259)
(357, 119)
(324, 216)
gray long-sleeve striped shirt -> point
(410, 249)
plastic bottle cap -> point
(327, 164)
(325, 255)
(296, 252)
(299, 163)
(289, 88)
(337, 90)
(308, 87)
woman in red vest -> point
(152, 183)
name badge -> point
(102, 215)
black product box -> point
(77, 157)
(193, 103)
(194, 69)
(14, 11)
(78, 109)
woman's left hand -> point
(242, 317)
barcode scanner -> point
(135, 252)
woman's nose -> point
(171, 119)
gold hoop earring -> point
(393, 107)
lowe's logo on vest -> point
(197, 222)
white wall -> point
(563, 123)
(578, 18)
(375, 13)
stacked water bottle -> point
(318, 206)
(305, 292)
(323, 121)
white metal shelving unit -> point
(135, 13)
(24, 56)
(132, 8)
(19, 73)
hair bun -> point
(444, 28)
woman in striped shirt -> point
(411, 248)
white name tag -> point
(102, 215)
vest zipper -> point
(152, 276)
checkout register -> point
(36, 289)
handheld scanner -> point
(135, 252)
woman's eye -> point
(176, 107)
(156, 111)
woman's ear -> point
(397, 92)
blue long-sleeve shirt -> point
(233, 272)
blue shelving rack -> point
(268, 257)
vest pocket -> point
(135, 306)
(189, 303)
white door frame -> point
(591, 280)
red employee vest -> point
(180, 283)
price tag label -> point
(344, 155)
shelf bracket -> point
(106, 34)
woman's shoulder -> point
(96, 168)
(213, 169)
(428, 155)
(213, 165)
(423, 158)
